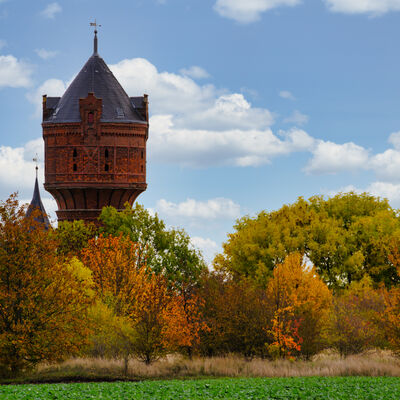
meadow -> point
(228, 388)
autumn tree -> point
(139, 297)
(345, 237)
(43, 301)
(300, 304)
(236, 315)
(355, 321)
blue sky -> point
(253, 102)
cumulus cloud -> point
(208, 247)
(246, 11)
(219, 208)
(51, 10)
(203, 148)
(285, 94)
(386, 190)
(371, 7)
(330, 158)
(297, 118)
(21, 176)
(14, 73)
(169, 92)
(387, 165)
(51, 87)
(394, 139)
(45, 54)
(195, 72)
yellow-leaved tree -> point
(43, 301)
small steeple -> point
(95, 53)
(36, 202)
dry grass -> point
(375, 363)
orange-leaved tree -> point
(43, 301)
(143, 298)
(300, 304)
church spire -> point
(36, 202)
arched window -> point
(75, 168)
(90, 118)
(141, 168)
(141, 155)
(106, 168)
(75, 154)
(106, 153)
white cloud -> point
(219, 208)
(203, 148)
(169, 93)
(51, 87)
(386, 190)
(285, 94)
(387, 165)
(195, 72)
(14, 73)
(330, 158)
(231, 111)
(394, 139)
(208, 247)
(21, 176)
(45, 54)
(372, 7)
(297, 118)
(51, 10)
(246, 11)
(192, 105)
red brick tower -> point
(95, 143)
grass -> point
(227, 388)
(373, 364)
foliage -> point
(236, 315)
(345, 237)
(355, 324)
(300, 302)
(167, 252)
(73, 236)
(43, 301)
(345, 388)
(149, 314)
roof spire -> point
(95, 37)
(36, 202)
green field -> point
(253, 388)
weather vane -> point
(95, 24)
(36, 160)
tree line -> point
(320, 273)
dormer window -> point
(91, 118)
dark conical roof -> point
(36, 203)
(95, 77)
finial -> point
(95, 36)
(36, 160)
